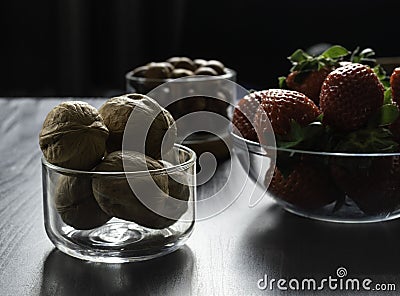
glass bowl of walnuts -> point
(106, 201)
(327, 147)
(96, 216)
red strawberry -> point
(306, 186)
(374, 185)
(395, 85)
(349, 96)
(308, 83)
(244, 114)
(281, 106)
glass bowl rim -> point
(262, 150)
(230, 73)
(166, 170)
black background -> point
(84, 48)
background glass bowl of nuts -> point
(94, 215)
(198, 85)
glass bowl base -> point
(349, 213)
(119, 242)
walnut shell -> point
(116, 113)
(75, 202)
(73, 136)
(116, 198)
(177, 184)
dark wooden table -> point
(226, 255)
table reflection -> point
(65, 275)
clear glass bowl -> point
(187, 94)
(193, 95)
(336, 187)
(76, 225)
(144, 85)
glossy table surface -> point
(226, 255)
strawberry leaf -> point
(380, 72)
(383, 78)
(387, 99)
(367, 52)
(307, 137)
(320, 117)
(388, 114)
(368, 140)
(303, 62)
(296, 131)
(288, 144)
(366, 56)
(299, 56)
(294, 137)
(282, 82)
(385, 115)
(335, 52)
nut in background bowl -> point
(336, 187)
(117, 240)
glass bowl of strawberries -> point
(327, 146)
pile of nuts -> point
(177, 67)
(77, 136)
(145, 78)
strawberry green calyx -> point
(383, 78)
(365, 56)
(303, 137)
(386, 115)
(304, 62)
(369, 140)
(282, 82)
(374, 138)
(331, 58)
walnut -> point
(178, 185)
(73, 136)
(116, 198)
(116, 113)
(75, 202)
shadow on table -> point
(65, 275)
(308, 247)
